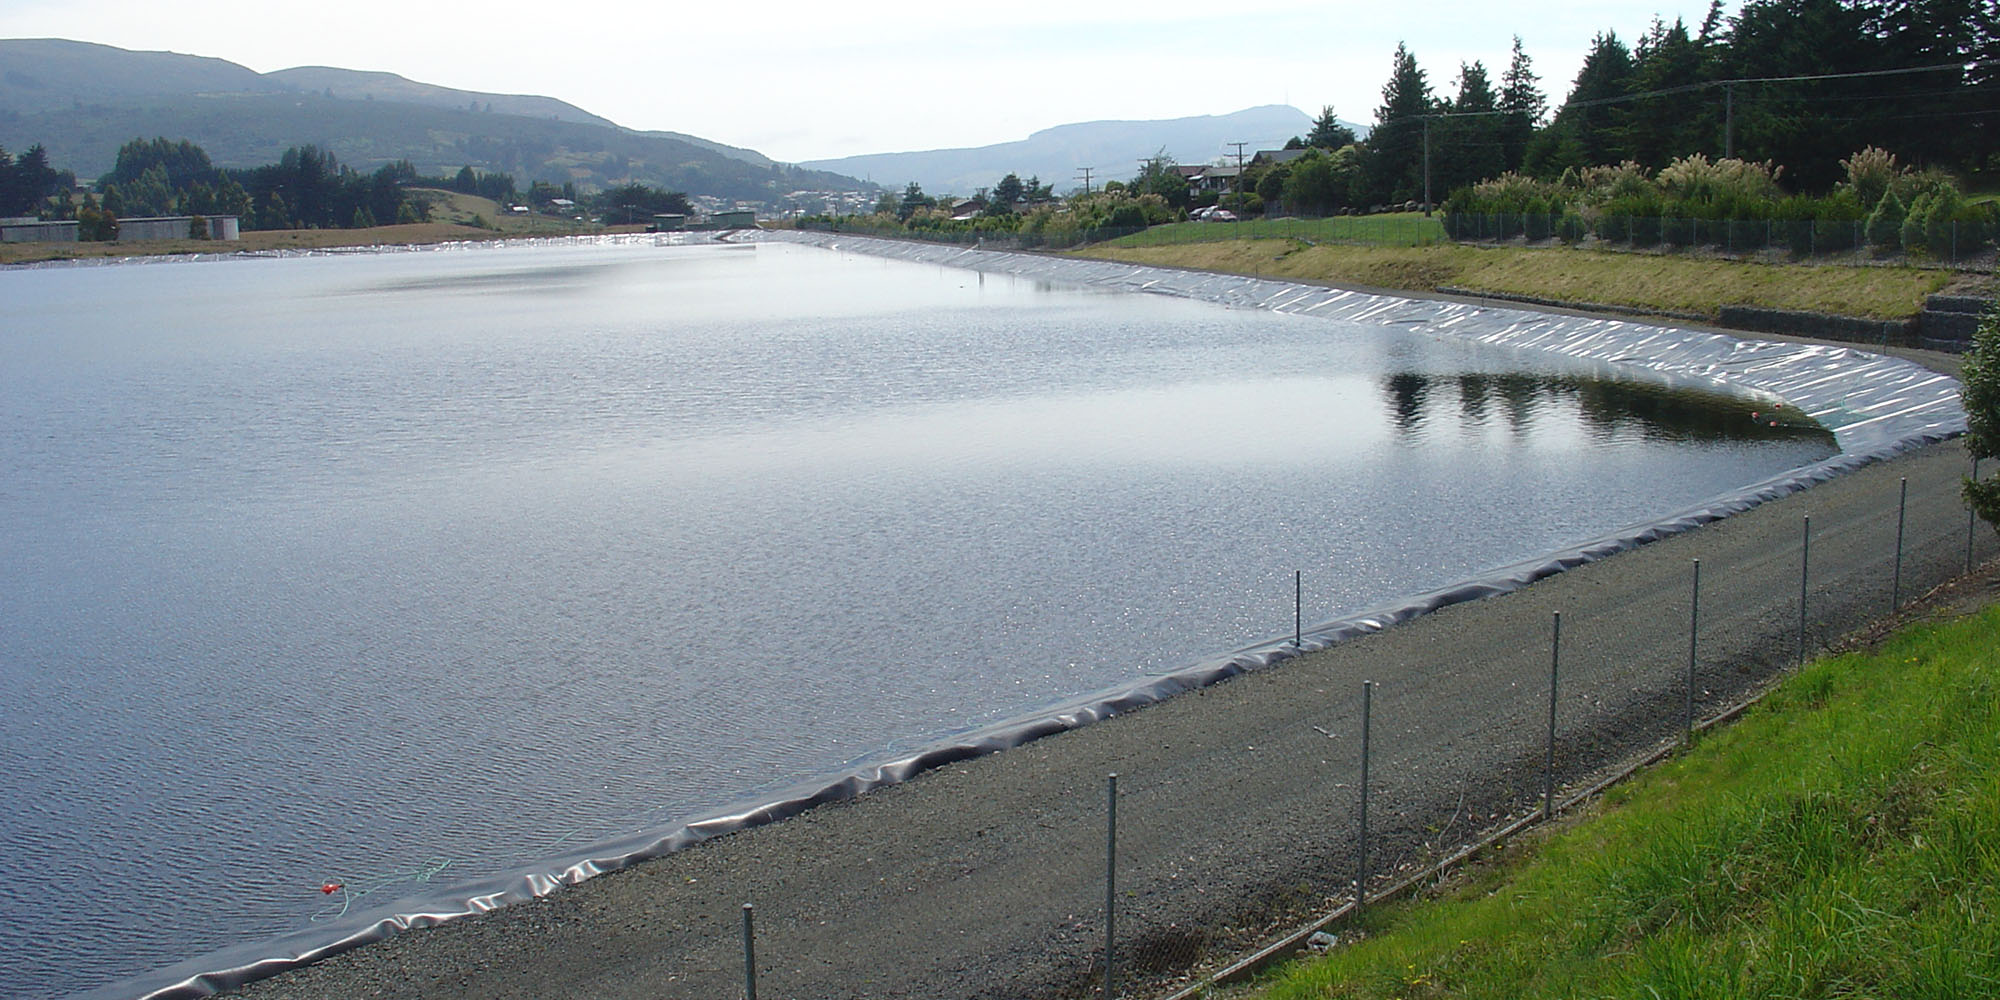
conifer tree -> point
(1584, 133)
(1396, 145)
(1521, 97)
(1468, 149)
(1327, 131)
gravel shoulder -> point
(1237, 802)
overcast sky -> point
(803, 81)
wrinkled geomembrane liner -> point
(1875, 406)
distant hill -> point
(352, 85)
(83, 101)
(1112, 149)
(53, 74)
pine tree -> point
(1395, 165)
(9, 187)
(1327, 131)
(1521, 97)
(1658, 130)
(1584, 133)
(1466, 150)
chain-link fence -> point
(1950, 243)
(1249, 812)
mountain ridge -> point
(1111, 147)
(83, 100)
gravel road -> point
(1237, 805)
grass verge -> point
(1404, 229)
(1678, 284)
(1842, 839)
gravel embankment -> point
(1237, 812)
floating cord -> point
(352, 891)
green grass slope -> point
(1842, 840)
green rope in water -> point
(352, 891)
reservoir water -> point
(392, 569)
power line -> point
(1705, 85)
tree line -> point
(1798, 85)
(308, 188)
(27, 181)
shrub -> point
(1678, 230)
(1869, 174)
(1981, 378)
(1911, 233)
(1747, 234)
(1885, 224)
(1536, 221)
(1600, 185)
(1642, 214)
(1572, 228)
(1696, 181)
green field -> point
(1841, 840)
(1402, 229)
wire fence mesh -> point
(1952, 244)
(1044, 879)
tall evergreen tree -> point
(1585, 132)
(1806, 126)
(1395, 163)
(1468, 149)
(1521, 97)
(1950, 116)
(9, 186)
(1656, 130)
(1328, 133)
(1711, 25)
(27, 181)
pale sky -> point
(803, 81)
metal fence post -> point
(749, 954)
(1971, 518)
(1110, 883)
(1896, 587)
(1361, 849)
(1549, 764)
(1694, 634)
(1805, 567)
(1298, 605)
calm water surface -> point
(339, 568)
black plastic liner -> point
(1875, 406)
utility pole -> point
(1086, 179)
(1729, 122)
(1427, 166)
(1239, 152)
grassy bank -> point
(1678, 284)
(1392, 229)
(1843, 839)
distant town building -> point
(736, 218)
(669, 223)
